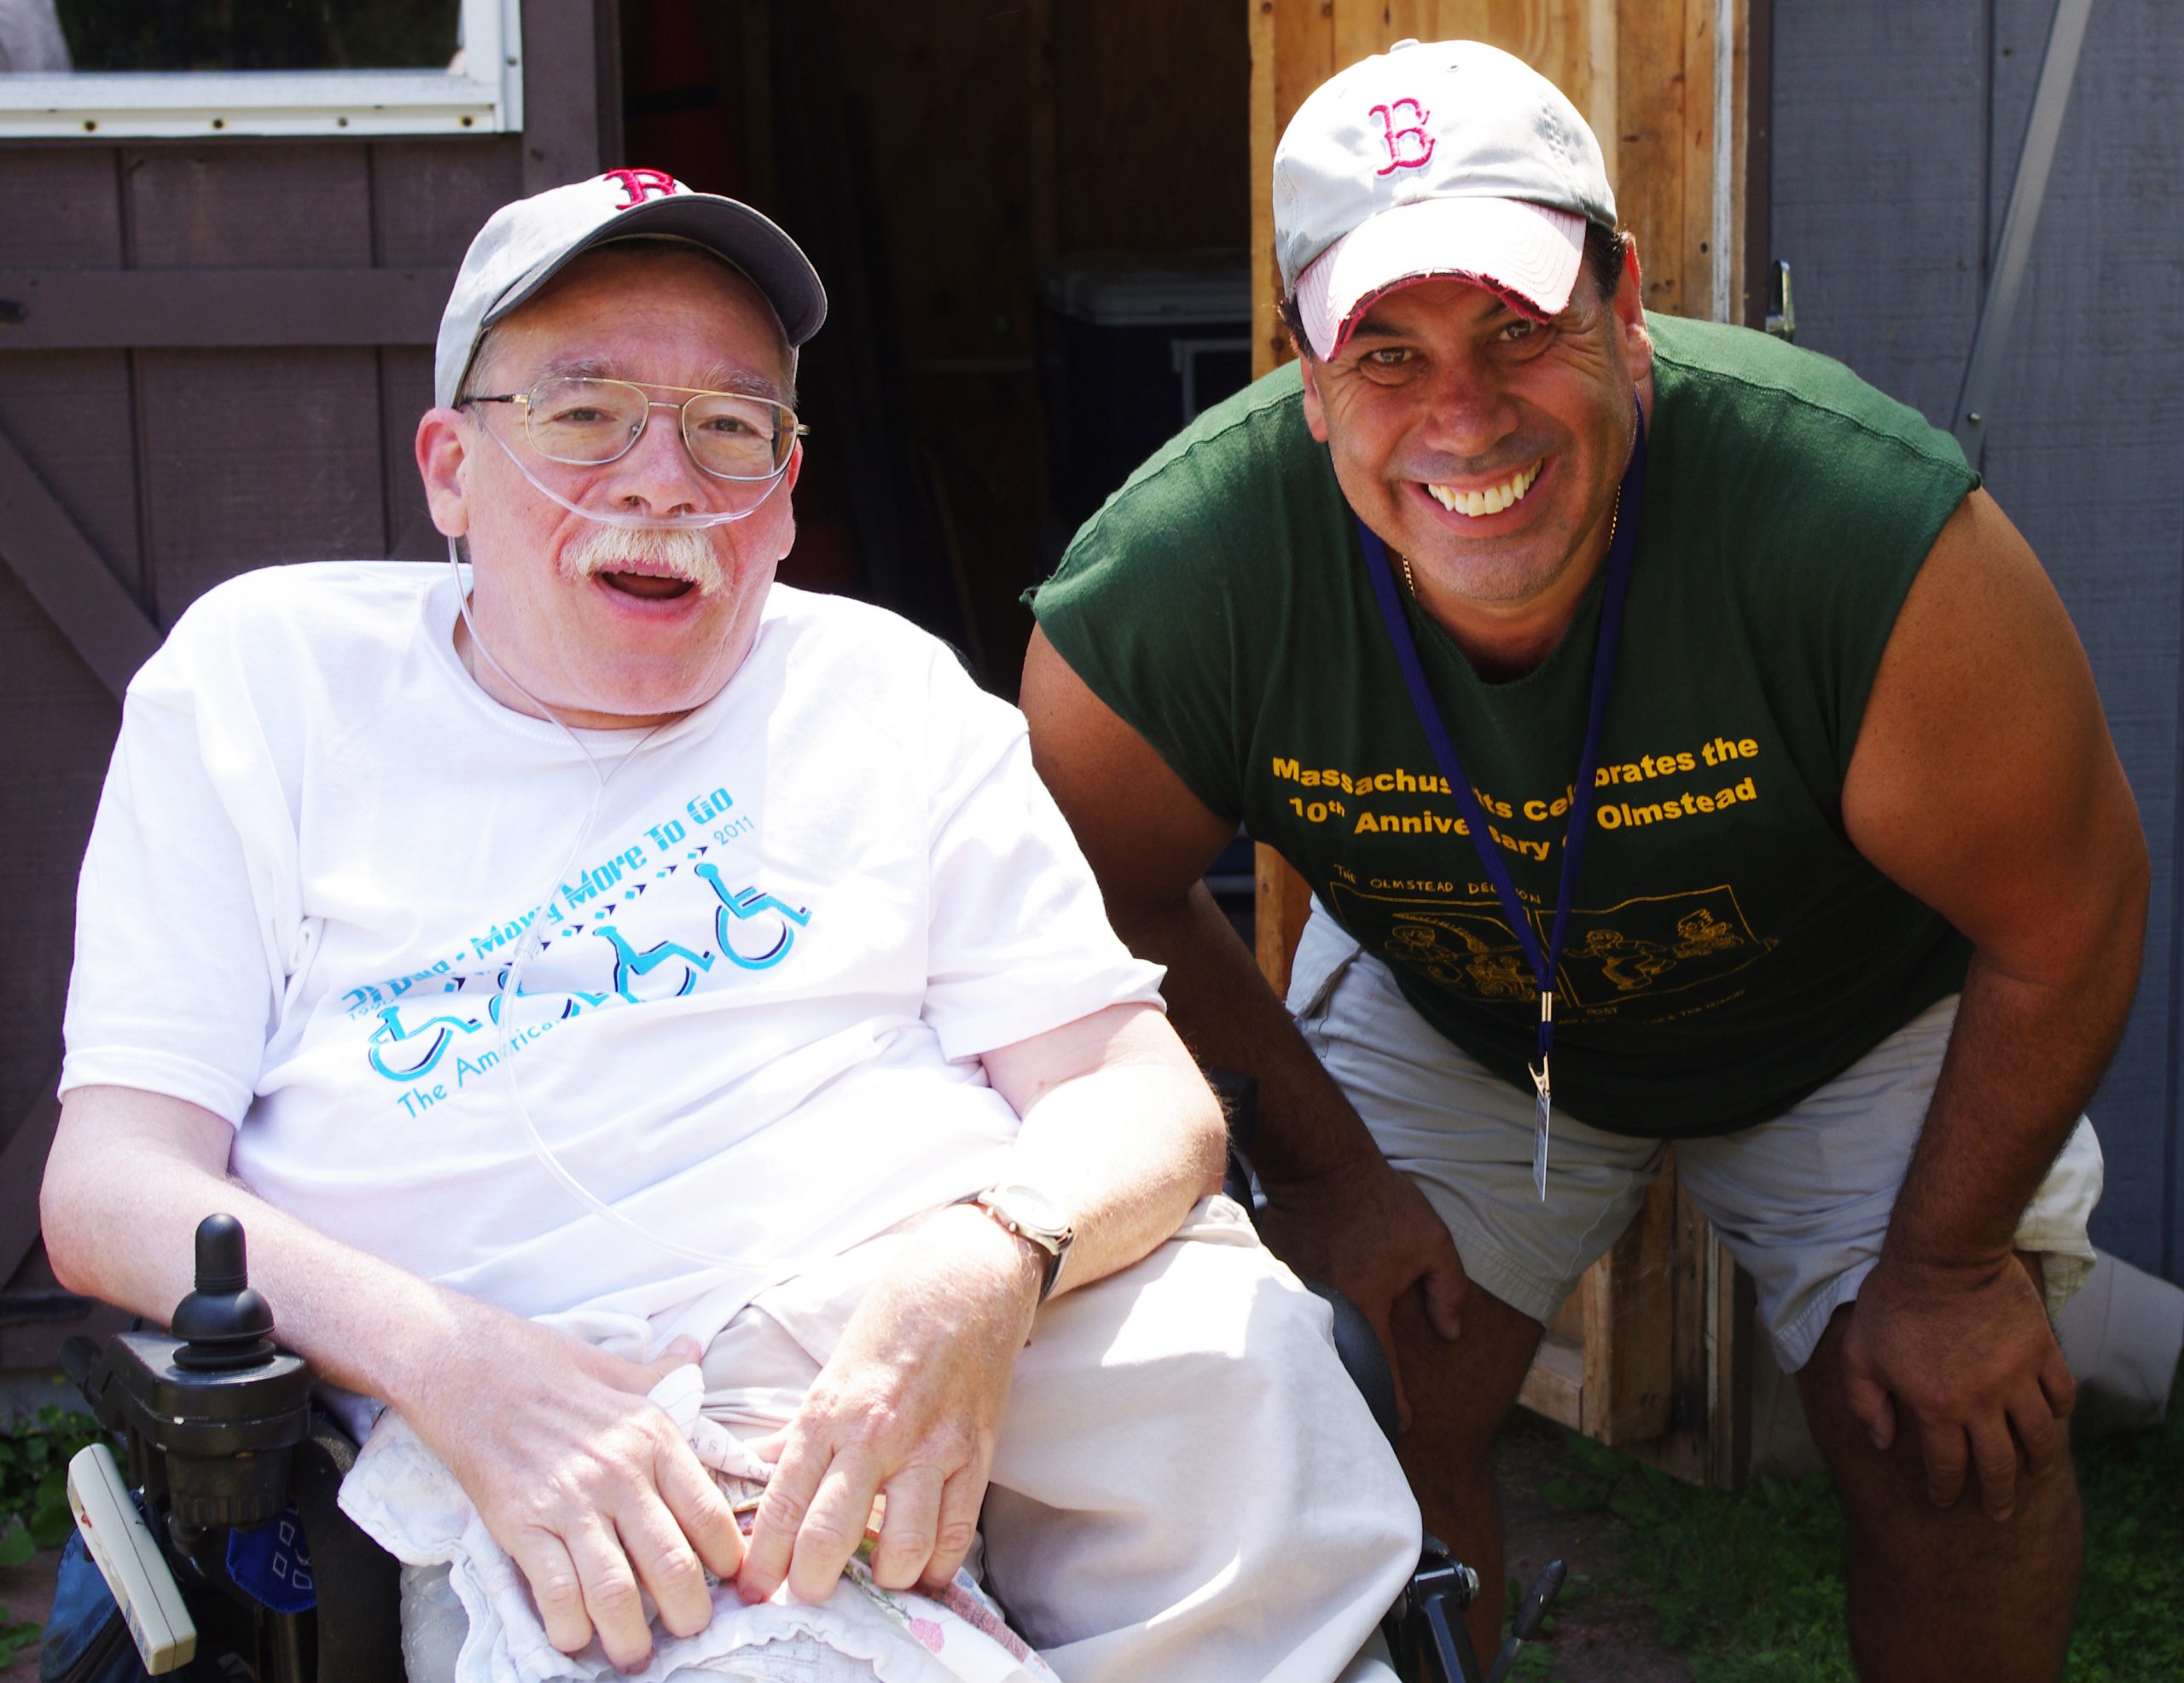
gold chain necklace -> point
(1614, 514)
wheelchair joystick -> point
(211, 1410)
(223, 1325)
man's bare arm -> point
(1121, 1129)
(1984, 782)
(591, 1488)
(1336, 1211)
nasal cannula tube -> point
(527, 948)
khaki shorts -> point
(1802, 1202)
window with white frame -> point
(195, 67)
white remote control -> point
(123, 1549)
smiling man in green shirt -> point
(1650, 707)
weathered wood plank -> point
(72, 586)
(1269, 343)
(405, 392)
(1554, 1384)
(76, 308)
(1694, 234)
(1649, 146)
(60, 206)
(67, 412)
(22, 1166)
(63, 724)
(265, 456)
(430, 197)
(1304, 56)
(1630, 1314)
(246, 205)
(1559, 39)
(567, 127)
(1283, 904)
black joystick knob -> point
(223, 1325)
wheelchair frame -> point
(220, 1434)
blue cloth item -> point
(272, 1563)
(85, 1640)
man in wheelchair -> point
(600, 977)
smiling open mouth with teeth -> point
(1492, 500)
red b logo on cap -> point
(641, 184)
(1410, 147)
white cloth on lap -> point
(409, 1503)
(1166, 1505)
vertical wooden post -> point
(1647, 1356)
(566, 132)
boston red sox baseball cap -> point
(523, 245)
(1433, 159)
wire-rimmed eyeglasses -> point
(589, 422)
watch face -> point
(1029, 1207)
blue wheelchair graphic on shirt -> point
(402, 1054)
(631, 966)
(743, 905)
(579, 1000)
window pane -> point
(216, 35)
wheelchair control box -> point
(209, 1414)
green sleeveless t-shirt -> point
(1729, 950)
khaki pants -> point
(1802, 1201)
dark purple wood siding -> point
(216, 361)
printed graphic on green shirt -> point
(1648, 945)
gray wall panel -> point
(1896, 139)
(1879, 159)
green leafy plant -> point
(16, 1635)
(34, 1456)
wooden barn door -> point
(1645, 1356)
(212, 358)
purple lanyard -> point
(1620, 551)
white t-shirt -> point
(769, 963)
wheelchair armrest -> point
(1359, 1349)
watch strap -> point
(1052, 1244)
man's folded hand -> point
(907, 1409)
(590, 1486)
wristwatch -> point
(1034, 1217)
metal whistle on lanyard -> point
(1543, 1095)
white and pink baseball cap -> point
(524, 245)
(1433, 159)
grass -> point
(1748, 1586)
